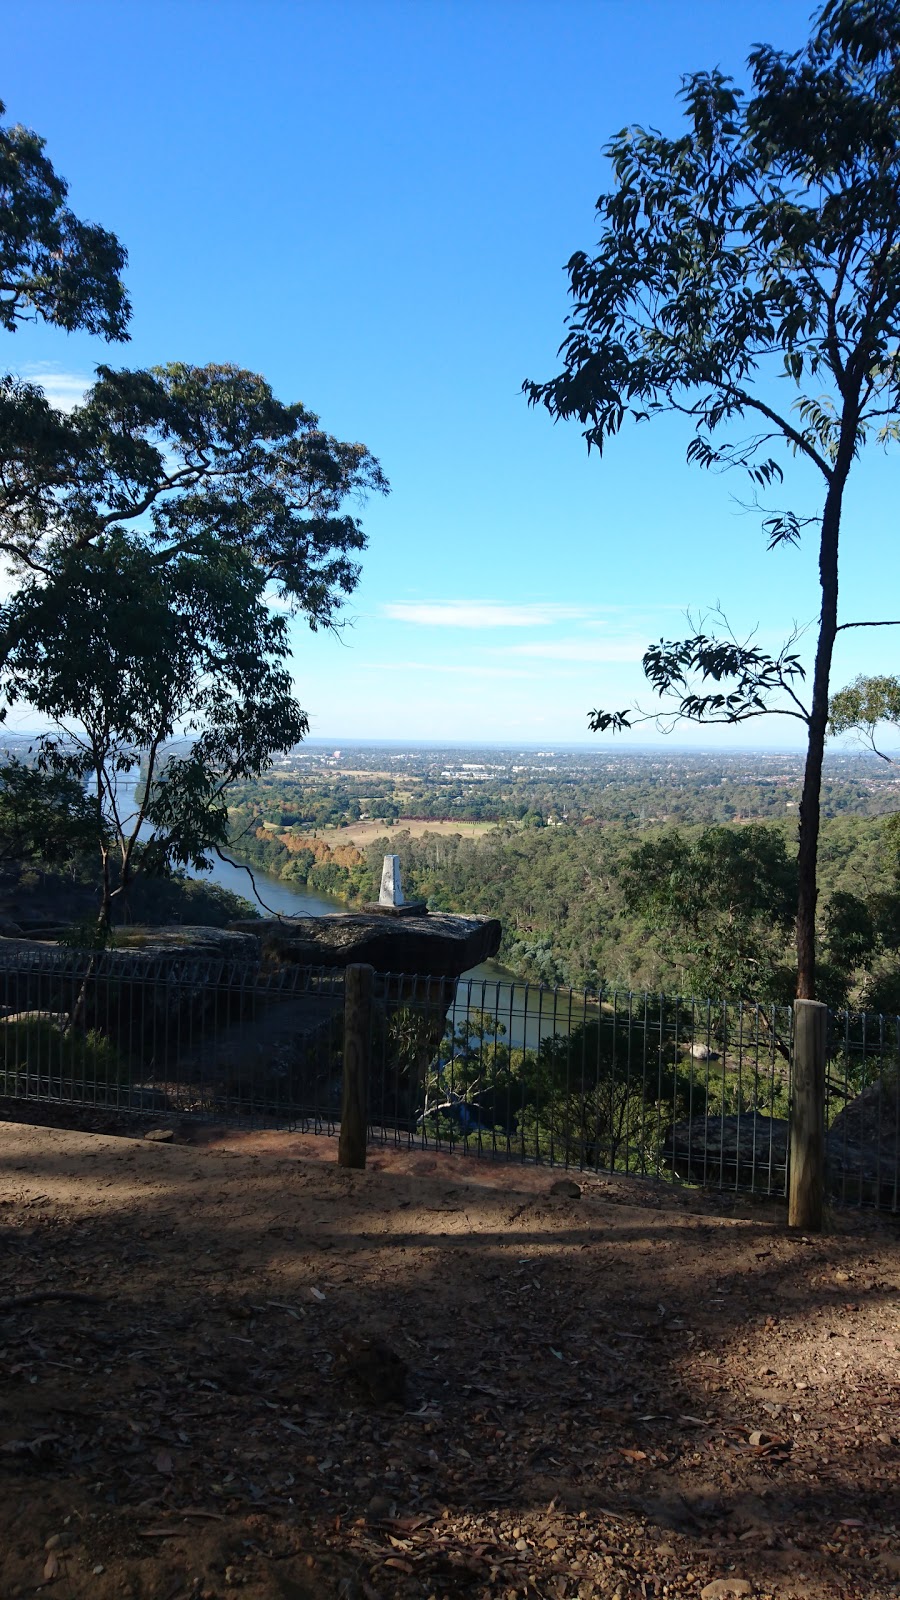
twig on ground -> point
(13, 1302)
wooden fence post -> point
(359, 988)
(807, 1161)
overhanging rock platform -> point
(438, 945)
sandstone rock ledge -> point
(438, 945)
(137, 949)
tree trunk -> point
(103, 914)
(810, 803)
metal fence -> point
(644, 1084)
(167, 1033)
(635, 1083)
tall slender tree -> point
(763, 242)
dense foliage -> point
(630, 902)
(757, 245)
(161, 535)
(53, 266)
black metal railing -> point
(649, 1085)
(637, 1083)
(862, 1108)
(164, 1032)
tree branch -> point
(787, 429)
(893, 622)
(242, 867)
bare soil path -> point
(430, 1379)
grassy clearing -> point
(362, 834)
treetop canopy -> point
(765, 239)
(52, 265)
(186, 458)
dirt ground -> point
(431, 1379)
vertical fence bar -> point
(876, 1095)
(895, 1197)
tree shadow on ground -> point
(600, 1396)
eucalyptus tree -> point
(159, 538)
(151, 624)
(865, 705)
(723, 901)
(177, 455)
(57, 269)
(763, 242)
(175, 672)
(53, 266)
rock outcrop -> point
(864, 1145)
(862, 1148)
(185, 940)
(741, 1149)
(437, 945)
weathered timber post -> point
(807, 1160)
(359, 989)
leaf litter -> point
(217, 1416)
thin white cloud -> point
(65, 390)
(461, 669)
(579, 649)
(481, 613)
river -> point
(489, 986)
(526, 1015)
(273, 895)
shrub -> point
(40, 1049)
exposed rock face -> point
(702, 1148)
(197, 1017)
(136, 947)
(161, 978)
(862, 1147)
(864, 1144)
(59, 1019)
(438, 945)
(189, 941)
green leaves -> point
(610, 721)
(784, 527)
(755, 675)
(865, 703)
(759, 243)
(761, 247)
(162, 533)
(53, 267)
(179, 668)
(182, 455)
(726, 900)
(679, 669)
(44, 814)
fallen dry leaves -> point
(604, 1398)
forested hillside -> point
(646, 873)
(567, 902)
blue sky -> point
(372, 204)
